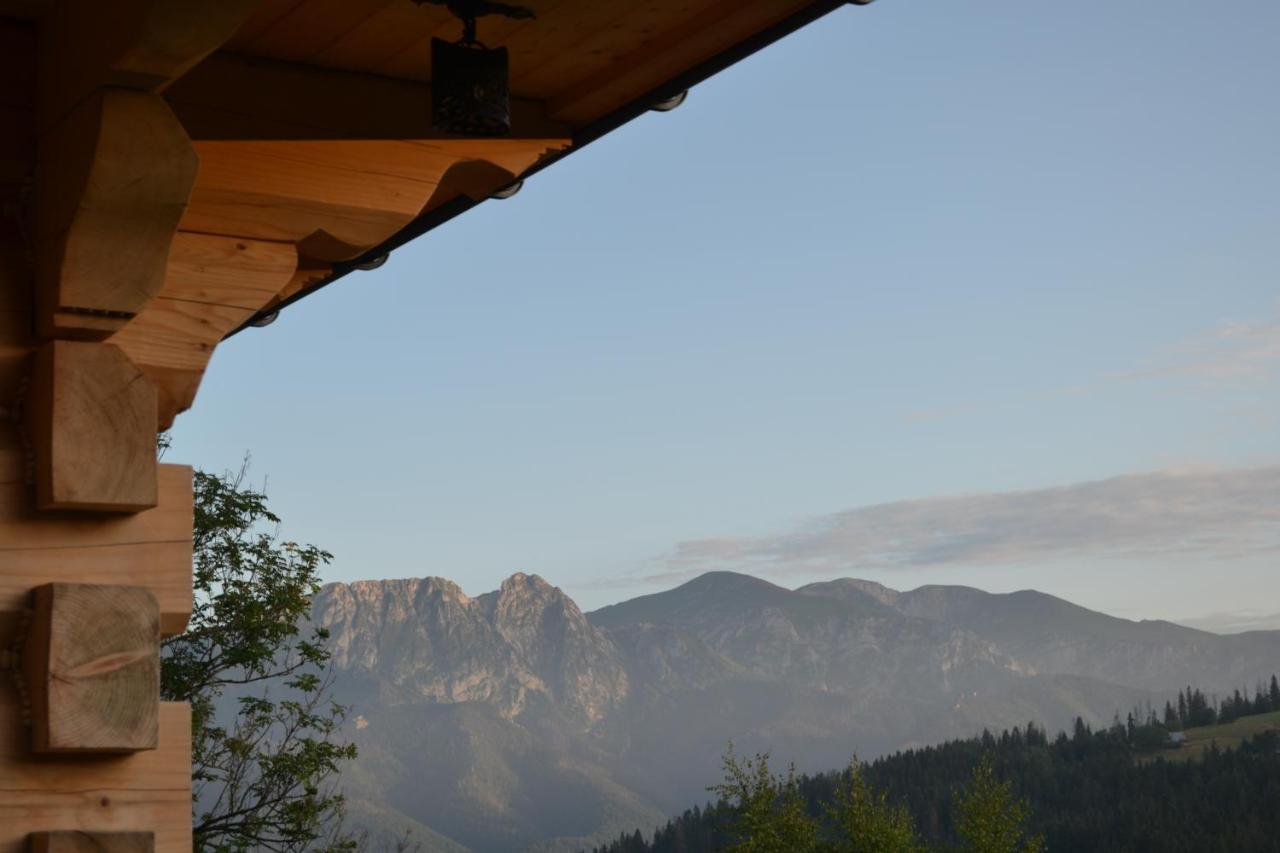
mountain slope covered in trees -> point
(1087, 792)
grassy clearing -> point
(1229, 735)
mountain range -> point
(514, 721)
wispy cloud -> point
(1234, 622)
(1206, 513)
(1232, 352)
(1230, 355)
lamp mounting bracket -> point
(468, 10)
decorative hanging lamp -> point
(470, 86)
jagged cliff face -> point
(513, 721)
(426, 641)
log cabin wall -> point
(148, 553)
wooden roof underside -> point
(311, 128)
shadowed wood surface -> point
(93, 842)
(232, 97)
(132, 44)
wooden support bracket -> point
(91, 417)
(93, 842)
(92, 668)
(112, 181)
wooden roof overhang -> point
(305, 129)
(171, 170)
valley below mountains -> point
(514, 721)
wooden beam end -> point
(92, 668)
(92, 421)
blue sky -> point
(945, 291)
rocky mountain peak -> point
(425, 640)
(521, 582)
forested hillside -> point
(1088, 791)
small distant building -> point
(1177, 739)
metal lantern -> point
(471, 96)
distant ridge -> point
(513, 721)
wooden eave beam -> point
(712, 31)
(232, 97)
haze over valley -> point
(512, 720)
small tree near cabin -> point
(265, 780)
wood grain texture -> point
(143, 791)
(343, 196)
(213, 284)
(150, 548)
(93, 842)
(91, 417)
(112, 181)
(632, 68)
(297, 33)
(92, 668)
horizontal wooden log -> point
(91, 662)
(93, 842)
(150, 548)
(180, 334)
(148, 791)
(91, 417)
(213, 284)
(233, 97)
(341, 196)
